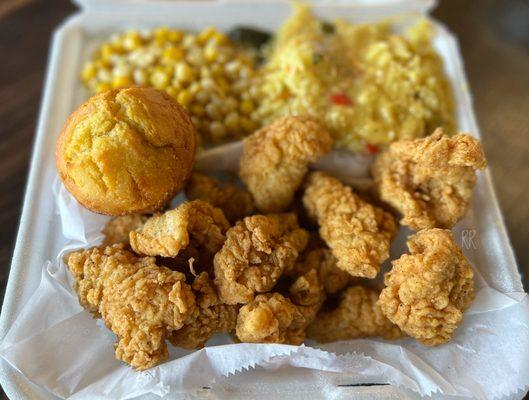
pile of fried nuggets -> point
(290, 257)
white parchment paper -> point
(60, 347)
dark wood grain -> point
(494, 39)
(495, 47)
(25, 31)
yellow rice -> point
(367, 84)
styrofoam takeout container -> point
(39, 237)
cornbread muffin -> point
(126, 151)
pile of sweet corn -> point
(204, 72)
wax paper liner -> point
(60, 347)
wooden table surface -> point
(494, 37)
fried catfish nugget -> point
(209, 317)
(357, 316)
(323, 261)
(195, 223)
(275, 159)
(117, 230)
(429, 181)
(256, 252)
(235, 203)
(358, 233)
(273, 318)
(269, 318)
(308, 294)
(138, 300)
(428, 290)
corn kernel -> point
(194, 88)
(146, 34)
(121, 81)
(232, 121)
(216, 100)
(106, 51)
(159, 79)
(217, 130)
(195, 56)
(132, 40)
(161, 34)
(205, 72)
(174, 83)
(229, 105)
(172, 54)
(171, 91)
(206, 34)
(213, 111)
(175, 36)
(183, 72)
(121, 69)
(89, 72)
(202, 97)
(246, 107)
(102, 87)
(189, 40)
(197, 110)
(140, 76)
(117, 48)
(247, 124)
(207, 83)
(184, 97)
(219, 38)
(104, 75)
(196, 122)
(99, 64)
(211, 52)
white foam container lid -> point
(39, 236)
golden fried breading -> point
(269, 318)
(210, 317)
(307, 290)
(357, 316)
(256, 252)
(427, 290)
(235, 203)
(322, 260)
(126, 151)
(275, 159)
(308, 294)
(358, 233)
(195, 222)
(138, 300)
(117, 230)
(429, 181)
(272, 318)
